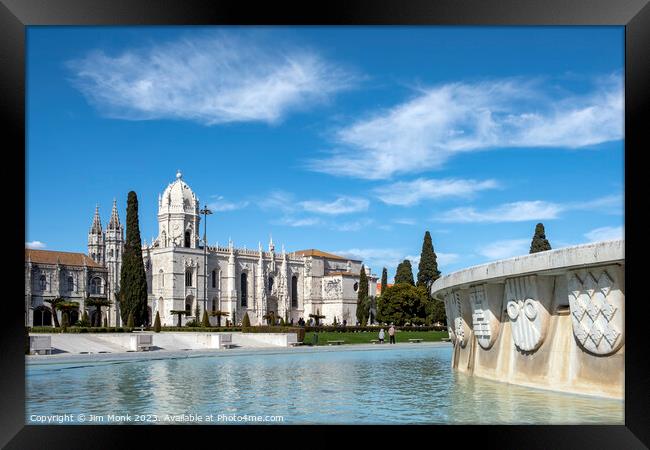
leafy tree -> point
(218, 314)
(384, 279)
(362, 296)
(435, 310)
(205, 322)
(97, 303)
(156, 323)
(317, 317)
(428, 268)
(196, 311)
(179, 312)
(404, 273)
(133, 280)
(64, 321)
(129, 321)
(402, 303)
(246, 321)
(539, 242)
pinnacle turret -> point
(96, 227)
(114, 222)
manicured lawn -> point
(364, 337)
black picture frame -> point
(15, 15)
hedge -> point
(201, 329)
(374, 328)
(81, 330)
(300, 331)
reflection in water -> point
(401, 385)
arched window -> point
(294, 291)
(188, 278)
(42, 317)
(214, 279)
(96, 285)
(42, 282)
(70, 284)
(161, 278)
(188, 306)
(244, 289)
(110, 253)
(270, 284)
(214, 304)
(117, 253)
(187, 238)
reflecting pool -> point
(401, 385)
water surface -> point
(403, 385)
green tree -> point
(246, 321)
(218, 315)
(85, 321)
(64, 321)
(362, 297)
(404, 273)
(402, 303)
(133, 280)
(196, 311)
(428, 268)
(539, 242)
(384, 279)
(205, 322)
(130, 321)
(156, 323)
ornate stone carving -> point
(485, 324)
(332, 289)
(527, 316)
(596, 304)
(457, 332)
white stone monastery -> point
(234, 280)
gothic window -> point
(244, 289)
(188, 308)
(187, 238)
(42, 316)
(117, 253)
(94, 256)
(214, 304)
(270, 284)
(111, 253)
(214, 279)
(96, 285)
(161, 277)
(43, 282)
(188, 278)
(294, 291)
(356, 287)
(70, 284)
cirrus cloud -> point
(210, 79)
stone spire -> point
(271, 246)
(96, 227)
(114, 222)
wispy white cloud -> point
(605, 234)
(221, 205)
(530, 210)
(355, 225)
(443, 121)
(342, 205)
(405, 221)
(408, 193)
(508, 212)
(377, 258)
(505, 248)
(36, 245)
(298, 222)
(211, 79)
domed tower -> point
(96, 243)
(114, 249)
(178, 215)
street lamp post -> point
(205, 211)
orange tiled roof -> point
(321, 254)
(65, 258)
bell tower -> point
(178, 215)
(96, 241)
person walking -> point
(381, 336)
(391, 334)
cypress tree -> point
(205, 322)
(246, 321)
(404, 273)
(133, 280)
(428, 268)
(539, 242)
(156, 323)
(129, 321)
(362, 294)
(384, 279)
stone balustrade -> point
(552, 320)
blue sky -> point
(352, 140)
